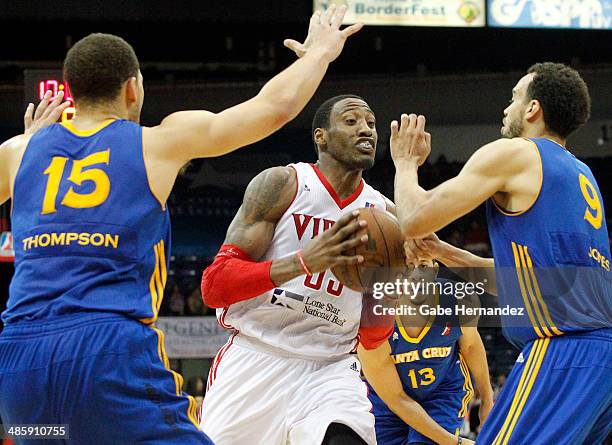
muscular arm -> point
(267, 197)
(473, 351)
(492, 169)
(236, 275)
(380, 371)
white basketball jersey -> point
(314, 317)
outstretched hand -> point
(409, 140)
(324, 34)
(47, 112)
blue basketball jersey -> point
(89, 233)
(431, 363)
(553, 260)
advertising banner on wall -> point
(577, 14)
(192, 337)
(443, 13)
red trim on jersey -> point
(342, 204)
(221, 319)
(212, 374)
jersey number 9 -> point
(590, 195)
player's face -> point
(514, 123)
(135, 109)
(352, 137)
(424, 269)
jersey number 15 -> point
(78, 175)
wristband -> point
(459, 440)
(303, 263)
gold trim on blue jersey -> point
(467, 386)
(528, 377)
(524, 291)
(157, 282)
(520, 212)
(536, 288)
(531, 293)
(424, 331)
(538, 312)
(68, 125)
(178, 378)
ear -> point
(131, 90)
(320, 137)
(533, 110)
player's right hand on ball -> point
(324, 34)
(326, 250)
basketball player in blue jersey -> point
(92, 240)
(420, 382)
(551, 256)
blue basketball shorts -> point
(104, 375)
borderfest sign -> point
(442, 13)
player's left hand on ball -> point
(47, 113)
(428, 247)
(409, 140)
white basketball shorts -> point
(261, 398)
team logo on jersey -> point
(520, 358)
(447, 330)
(279, 293)
(314, 225)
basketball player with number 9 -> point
(92, 235)
(551, 256)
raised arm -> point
(46, 113)
(379, 369)
(496, 168)
(237, 273)
(187, 135)
(468, 266)
(473, 351)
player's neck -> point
(344, 181)
(87, 114)
(543, 133)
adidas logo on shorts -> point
(355, 367)
(520, 358)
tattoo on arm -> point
(265, 200)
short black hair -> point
(321, 117)
(563, 95)
(97, 66)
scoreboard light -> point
(38, 82)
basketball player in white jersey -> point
(286, 375)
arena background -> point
(215, 54)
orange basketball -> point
(383, 253)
